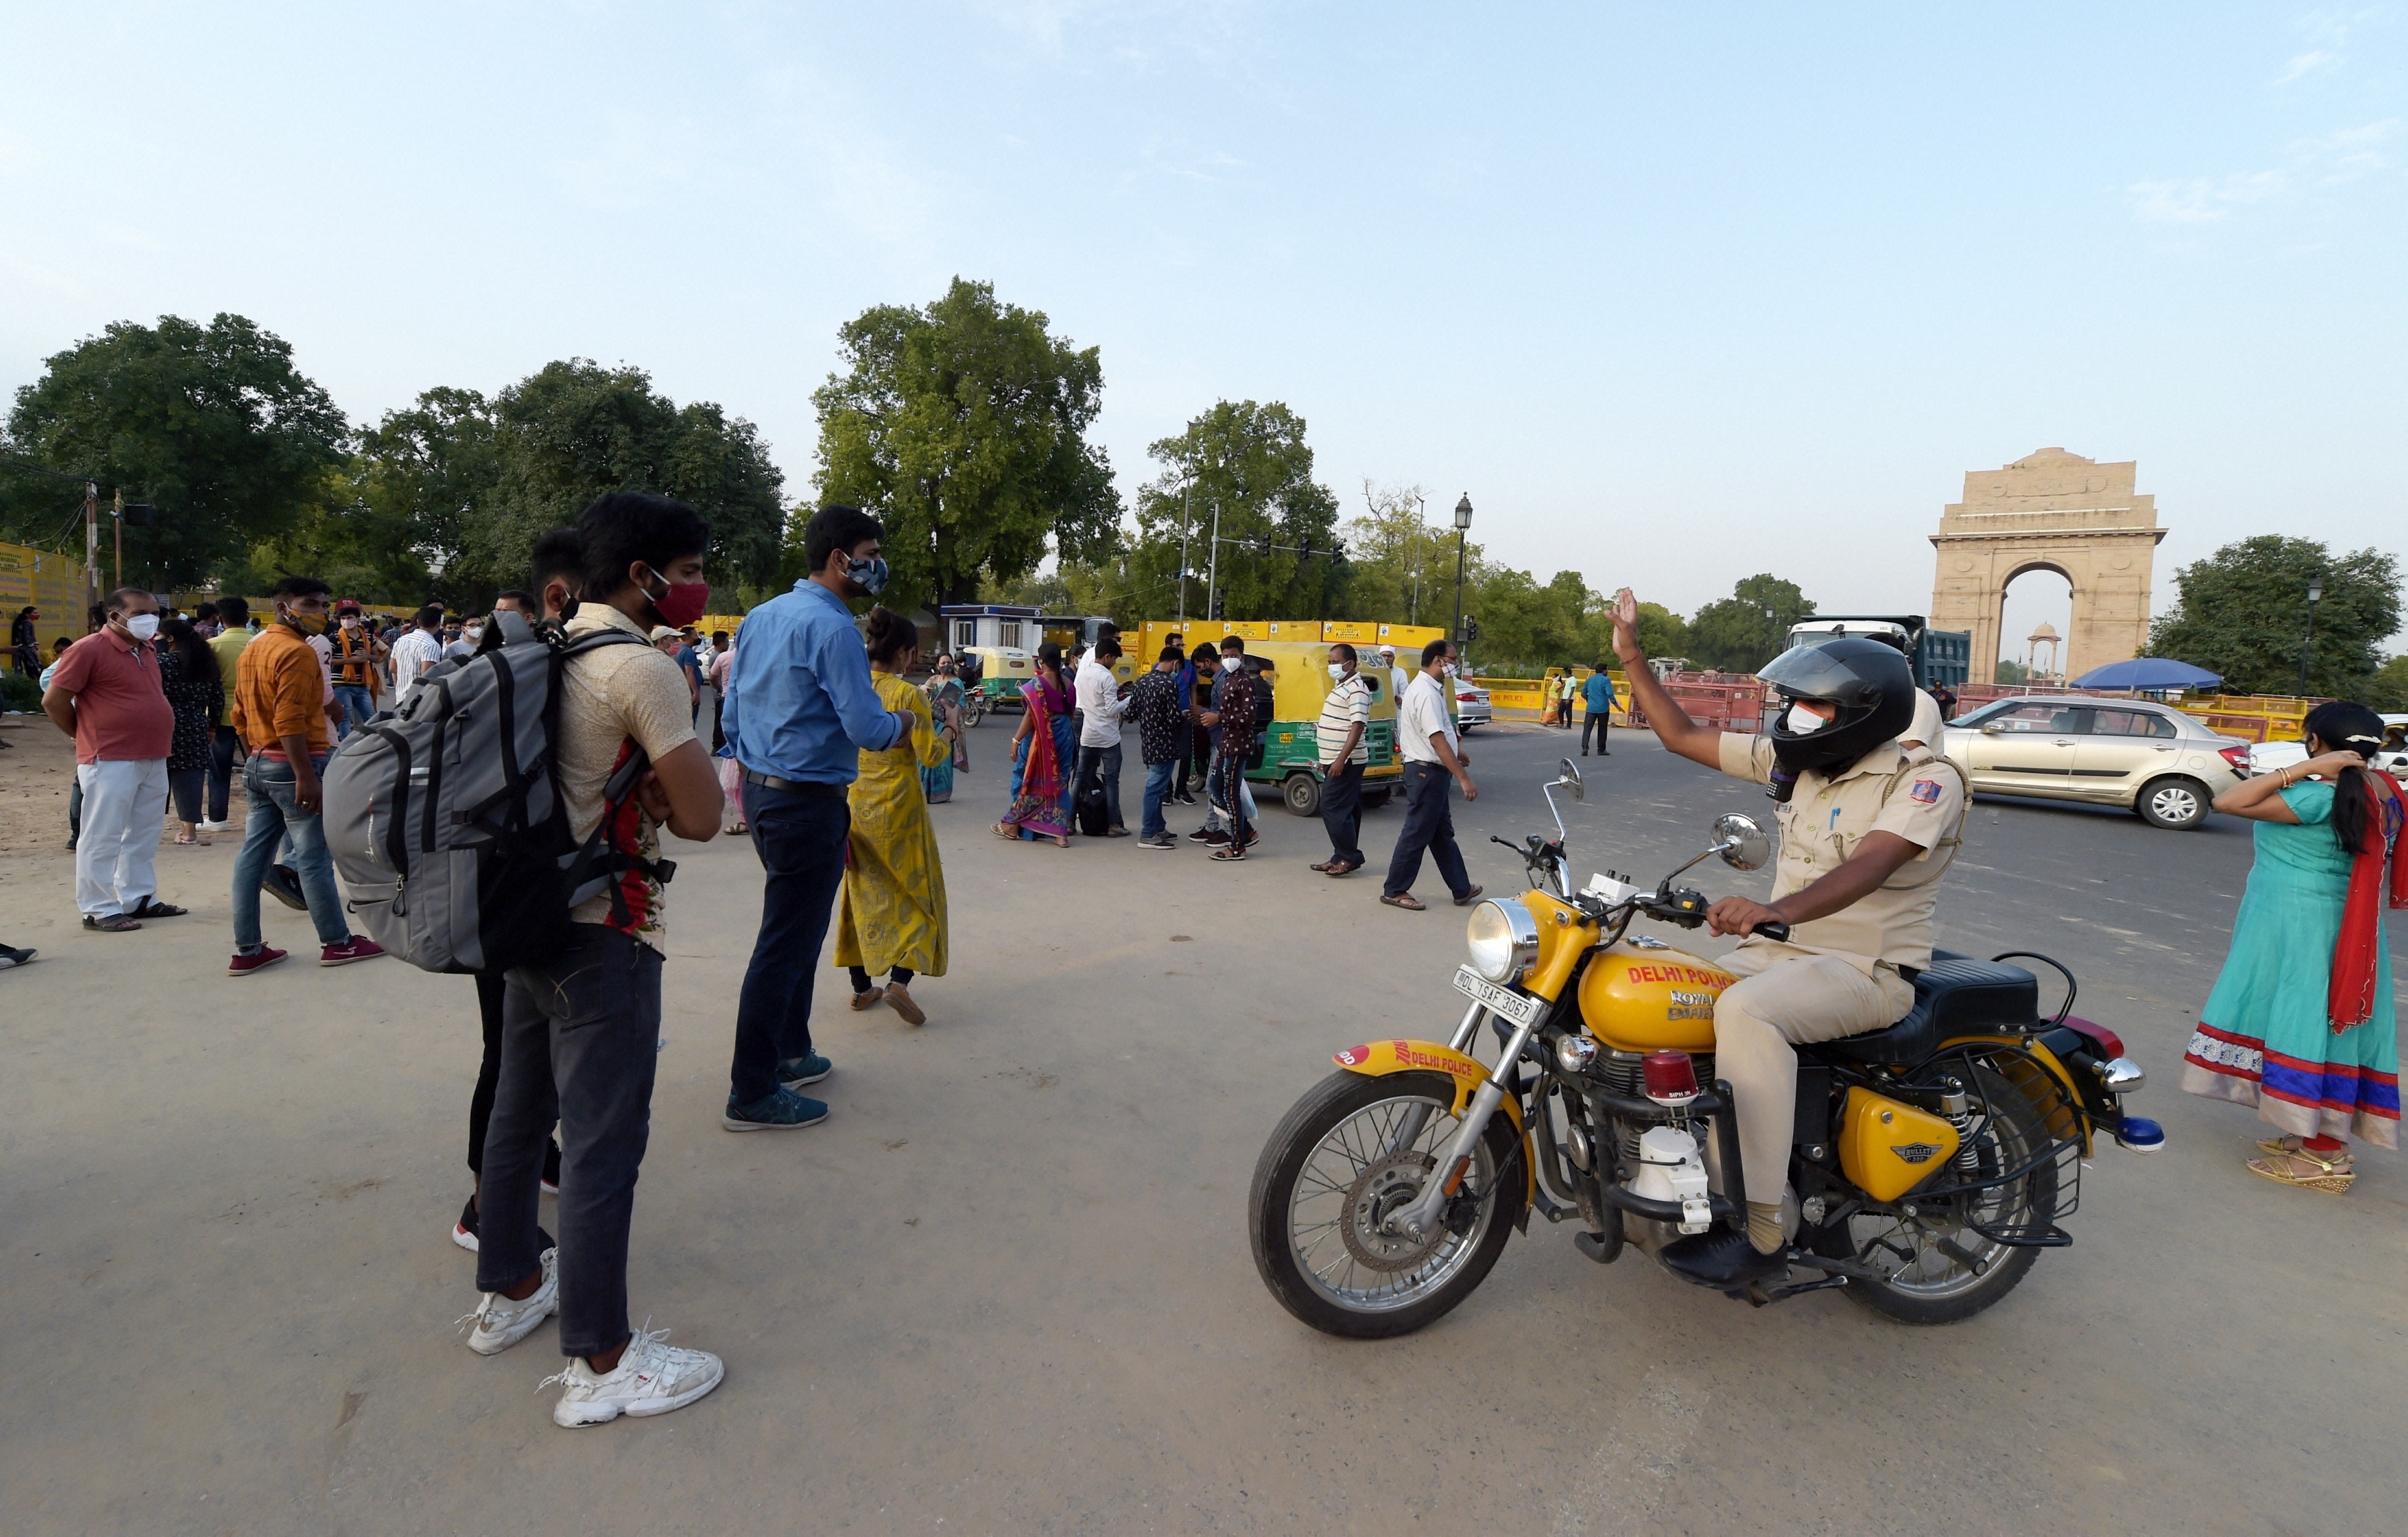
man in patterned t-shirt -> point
(1338, 746)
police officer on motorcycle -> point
(1862, 812)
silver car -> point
(2148, 757)
(1470, 705)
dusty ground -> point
(1006, 1287)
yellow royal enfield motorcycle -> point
(1932, 1162)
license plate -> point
(1520, 1008)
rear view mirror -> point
(1742, 844)
(1993, 728)
(1570, 779)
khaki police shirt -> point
(1894, 789)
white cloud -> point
(2200, 199)
(2306, 63)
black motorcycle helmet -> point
(1870, 683)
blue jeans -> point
(274, 815)
(800, 841)
(1157, 787)
(580, 1043)
(358, 704)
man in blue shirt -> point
(1597, 693)
(800, 711)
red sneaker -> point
(259, 959)
(357, 948)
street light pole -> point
(1462, 529)
(2308, 641)
(1212, 582)
(1414, 553)
(1185, 497)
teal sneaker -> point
(783, 1110)
(804, 1069)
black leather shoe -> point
(1723, 1259)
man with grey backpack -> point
(587, 776)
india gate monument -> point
(2049, 512)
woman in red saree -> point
(1040, 799)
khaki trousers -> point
(1787, 997)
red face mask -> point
(680, 603)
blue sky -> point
(1676, 294)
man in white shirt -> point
(1101, 707)
(1343, 754)
(1399, 679)
(417, 650)
(1434, 763)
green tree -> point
(214, 425)
(432, 470)
(1249, 464)
(1399, 567)
(963, 428)
(2387, 689)
(2243, 612)
(1742, 632)
(1661, 633)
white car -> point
(2267, 757)
(2153, 758)
(1470, 706)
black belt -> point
(796, 786)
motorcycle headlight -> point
(1503, 938)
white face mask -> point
(473, 634)
(350, 623)
(142, 626)
(1338, 670)
(1804, 722)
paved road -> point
(1006, 1287)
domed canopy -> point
(2046, 631)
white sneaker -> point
(650, 1378)
(214, 826)
(502, 1323)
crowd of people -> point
(805, 733)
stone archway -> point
(2057, 512)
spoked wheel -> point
(1940, 1270)
(974, 710)
(1353, 1153)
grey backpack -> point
(445, 816)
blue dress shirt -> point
(800, 704)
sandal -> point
(152, 907)
(2287, 1143)
(1468, 898)
(1229, 856)
(1005, 829)
(1339, 872)
(2308, 1171)
(113, 923)
(1406, 900)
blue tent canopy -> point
(2148, 672)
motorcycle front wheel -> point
(1353, 1151)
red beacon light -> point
(1671, 1077)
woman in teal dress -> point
(944, 691)
(2300, 1022)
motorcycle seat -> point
(1956, 995)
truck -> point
(1940, 657)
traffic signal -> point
(1263, 544)
(1220, 605)
(1470, 627)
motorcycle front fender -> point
(1384, 1058)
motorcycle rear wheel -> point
(1934, 1286)
(1326, 1176)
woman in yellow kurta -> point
(892, 917)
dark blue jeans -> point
(1429, 824)
(1102, 765)
(800, 840)
(222, 745)
(581, 1041)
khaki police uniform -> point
(1838, 975)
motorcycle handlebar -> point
(1778, 933)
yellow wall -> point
(48, 580)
